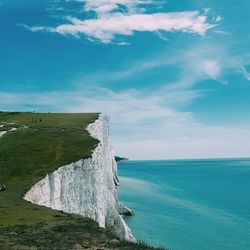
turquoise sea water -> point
(189, 204)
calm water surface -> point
(189, 204)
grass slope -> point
(41, 144)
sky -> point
(174, 76)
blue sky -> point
(174, 76)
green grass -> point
(35, 149)
(26, 156)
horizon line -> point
(194, 159)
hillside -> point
(40, 144)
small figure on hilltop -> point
(36, 120)
(2, 188)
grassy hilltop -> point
(41, 144)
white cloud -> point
(218, 18)
(151, 124)
(143, 126)
(245, 73)
(112, 20)
(104, 6)
(215, 142)
(106, 28)
(212, 68)
(200, 61)
(34, 28)
(128, 107)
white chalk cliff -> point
(87, 187)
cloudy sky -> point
(174, 76)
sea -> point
(188, 204)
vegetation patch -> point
(41, 144)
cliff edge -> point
(87, 187)
(52, 160)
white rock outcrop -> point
(87, 187)
(2, 133)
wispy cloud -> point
(192, 142)
(197, 62)
(211, 68)
(245, 73)
(147, 124)
(114, 18)
(101, 7)
(143, 126)
(127, 107)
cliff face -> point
(87, 187)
